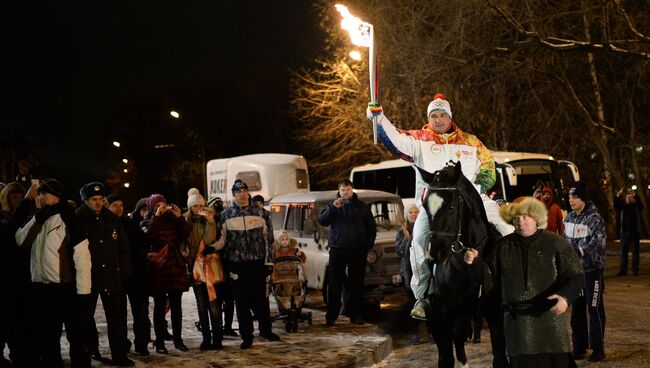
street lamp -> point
(116, 144)
(174, 114)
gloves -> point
(208, 250)
(45, 213)
(269, 269)
(374, 110)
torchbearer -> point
(362, 34)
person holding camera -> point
(629, 209)
(352, 233)
(203, 231)
(60, 271)
(166, 233)
(249, 255)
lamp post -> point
(200, 142)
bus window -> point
(397, 180)
(252, 179)
(302, 179)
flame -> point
(360, 31)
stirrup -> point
(420, 309)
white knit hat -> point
(439, 103)
(194, 197)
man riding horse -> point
(431, 148)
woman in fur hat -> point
(538, 275)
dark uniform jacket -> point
(109, 248)
(351, 226)
(527, 271)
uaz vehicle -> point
(298, 214)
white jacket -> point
(53, 259)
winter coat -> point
(352, 226)
(171, 275)
(629, 215)
(59, 253)
(289, 251)
(245, 232)
(200, 230)
(528, 270)
(109, 248)
(138, 248)
(587, 234)
(403, 249)
(431, 151)
(555, 216)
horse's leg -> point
(442, 334)
(459, 334)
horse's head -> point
(456, 215)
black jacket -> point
(351, 226)
(109, 248)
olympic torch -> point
(362, 34)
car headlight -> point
(372, 257)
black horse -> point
(457, 221)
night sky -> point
(80, 75)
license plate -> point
(397, 279)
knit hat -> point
(51, 186)
(92, 189)
(155, 199)
(140, 204)
(439, 103)
(213, 201)
(257, 198)
(194, 198)
(238, 185)
(113, 197)
(579, 190)
(528, 206)
(408, 209)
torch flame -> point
(360, 31)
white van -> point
(298, 214)
(266, 174)
(517, 175)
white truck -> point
(266, 174)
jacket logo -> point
(436, 148)
(114, 235)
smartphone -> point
(37, 202)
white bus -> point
(266, 174)
(518, 174)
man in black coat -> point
(111, 268)
(352, 233)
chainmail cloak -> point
(528, 270)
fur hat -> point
(51, 186)
(8, 190)
(194, 198)
(525, 206)
(92, 189)
(238, 185)
(580, 190)
(155, 199)
(439, 103)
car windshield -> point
(388, 214)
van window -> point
(302, 179)
(278, 211)
(252, 179)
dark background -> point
(77, 76)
